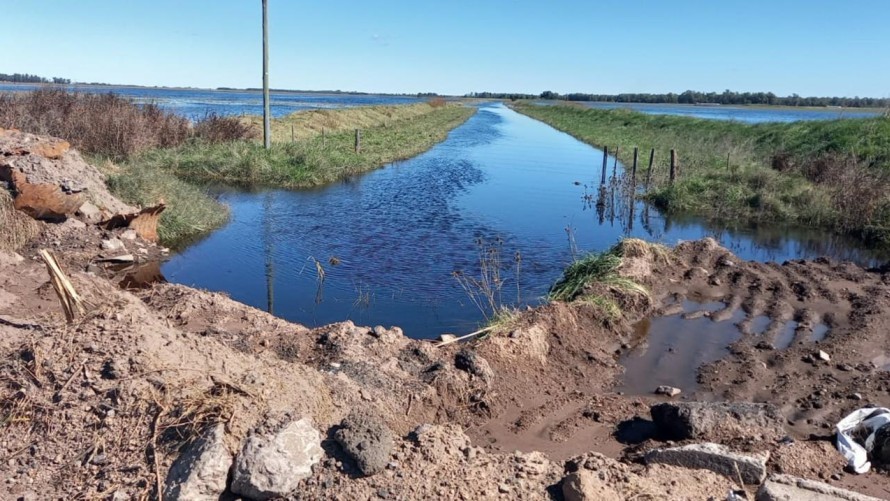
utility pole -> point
(267, 126)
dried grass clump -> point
(215, 128)
(18, 228)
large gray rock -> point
(275, 458)
(750, 469)
(788, 488)
(366, 438)
(201, 471)
(716, 421)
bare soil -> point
(99, 408)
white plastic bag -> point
(868, 418)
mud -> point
(100, 408)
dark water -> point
(748, 114)
(398, 234)
(195, 103)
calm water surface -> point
(748, 114)
(195, 103)
(398, 234)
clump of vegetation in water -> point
(833, 174)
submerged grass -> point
(833, 174)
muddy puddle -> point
(669, 348)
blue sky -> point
(812, 47)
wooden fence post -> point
(293, 139)
(615, 165)
(324, 141)
(605, 162)
(673, 173)
(633, 170)
(649, 171)
(358, 141)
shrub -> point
(215, 128)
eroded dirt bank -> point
(110, 406)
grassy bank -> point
(389, 133)
(833, 174)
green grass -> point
(309, 162)
(190, 212)
(595, 270)
(832, 174)
(175, 175)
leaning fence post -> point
(615, 164)
(605, 162)
(673, 173)
(633, 170)
(649, 171)
(358, 140)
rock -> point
(470, 361)
(275, 458)
(201, 471)
(129, 235)
(764, 345)
(786, 487)
(706, 420)
(585, 485)
(366, 438)
(89, 213)
(113, 245)
(668, 390)
(447, 338)
(714, 457)
(378, 331)
(824, 356)
(856, 396)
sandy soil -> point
(99, 408)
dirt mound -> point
(54, 173)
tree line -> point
(26, 78)
(696, 97)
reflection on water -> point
(383, 248)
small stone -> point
(447, 338)
(89, 213)
(503, 488)
(378, 331)
(845, 367)
(824, 356)
(764, 345)
(202, 469)
(669, 391)
(383, 493)
(112, 244)
(129, 235)
(856, 396)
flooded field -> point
(384, 248)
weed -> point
(600, 270)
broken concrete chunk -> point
(447, 338)
(704, 420)
(824, 356)
(786, 487)
(668, 390)
(366, 438)
(200, 473)
(274, 460)
(751, 469)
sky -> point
(809, 47)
